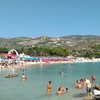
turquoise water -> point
(34, 88)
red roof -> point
(9, 55)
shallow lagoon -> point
(34, 88)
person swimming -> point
(59, 92)
(66, 90)
(62, 90)
(78, 84)
(61, 73)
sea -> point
(35, 87)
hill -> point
(72, 42)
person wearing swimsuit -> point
(49, 88)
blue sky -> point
(54, 18)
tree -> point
(3, 50)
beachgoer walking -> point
(49, 88)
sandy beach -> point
(72, 61)
(26, 63)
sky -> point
(53, 18)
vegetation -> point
(46, 51)
(3, 50)
(79, 46)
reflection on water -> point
(39, 75)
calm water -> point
(34, 88)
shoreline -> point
(67, 62)
(26, 63)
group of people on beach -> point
(61, 90)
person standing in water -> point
(49, 88)
(24, 77)
(87, 84)
(92, 78)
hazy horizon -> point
(47, 36)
